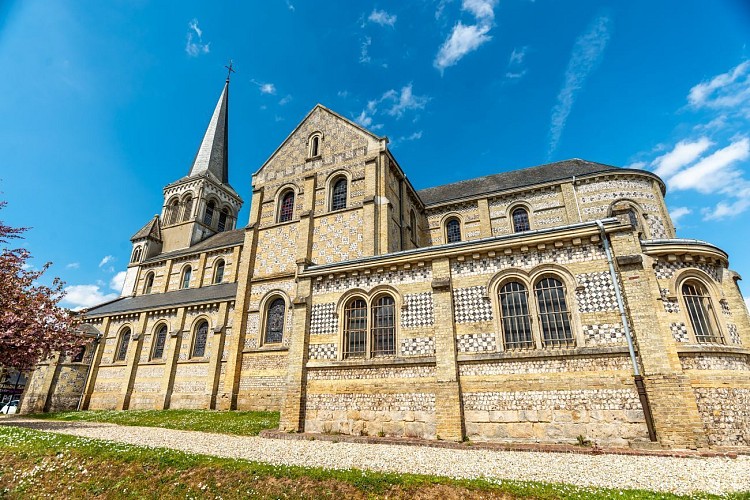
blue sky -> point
(103, 103)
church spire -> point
(213, 154)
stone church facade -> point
(535, 305)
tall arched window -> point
(275, 321)
(554, 318)
(136, 254)
(520, 220)
(339, 194)
(223, 219)
(315, 146)
(514, 314)
(286, 206)
(208, 216)
(159, 341)
(79, 355)
(149, 285)
(186, 274)
(187, 212)
(218, 271)
(453, 230)
(355, 328)
(701, 312)
(413, 226)
(384, 326)
(201, 336)
(122, 348)
(172, 211)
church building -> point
(534, 305)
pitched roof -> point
(511, 180)
(213, 154)
(218, 240)
(169, 299)
(152, 229)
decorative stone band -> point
(471, 305)
(713, 361)
(595, 292)
(476, 342)
(367, 282)
(384, 372)
(582, 399)
(371, 402)
(323, 319)
(665, 270)
(516, 366)
(418, 310)
(322, 351)
(420, 346)
(679, 332)
(734, 336)
(604, 334)
(268, 382)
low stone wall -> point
(726, 414)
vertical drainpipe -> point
(637, 377)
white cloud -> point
(464, 39)
(517, 56)
(515, 76)
(639, 165)
(726, 90)
(106, 260)
(364, 55)
(713, 172)
(684, 153)
(586, 55)
(406, 101)
(677, 213)
(382, 18)
(413, 137)
(267, 88)
(285, 100)
(117, 281)
(73, 265)
(747, 303)
(364, 119)
(82, 296)
(195, 46)
(343, 94)
(725, 209)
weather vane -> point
(230, 70)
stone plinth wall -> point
(262, 378)
(67, 387)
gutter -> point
(637, 376)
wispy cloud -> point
(195, 46)
(395, 103)
(515, 69)
(678, 213)
(81, 296)
(265, 87)
(713, 172)
(117, 281)
(290, 6)
(586, 55)
(684, 153)
(285, 100)
(382, 18)
(466, 38)
(726, 90)
(73, 265)
(364, 50)
(106, 260)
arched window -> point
(223, 219)
(136, 254)
(186, 214)
(159, 341)
(413, 226)
(149, 283)
(701, 312)
(275, 321)
(219, 271)
(453, 230)
(186, 274)
(201, 336)
(514, 314)
(554, 319)
(384, 326)
(172, 210)
(315, 146)
(520, 220)
(208, 216)
(338, 194)
(355, 328)
(286, 206)
(122, 348)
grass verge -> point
(241, 423)
(38, 464)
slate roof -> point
(218, 240)
(151, 229)
(511, 180)
(169, 299)
(213, 154)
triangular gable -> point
(152, 230)
(333, 126)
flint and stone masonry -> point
(485, 309)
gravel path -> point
(677, 475)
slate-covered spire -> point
(213, 154)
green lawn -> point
(242, 423)
(38, 464)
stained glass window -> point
(286, 207)
(159, 341)
(453, 231)
(520, 220)
(338, 196)
(122, 349)
(275, 321)
(201, 336)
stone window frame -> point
(187, 201)
(218, 261)
(116, 358)
(628, 204)
(154, 333)
(137, 253)
(447, 218)
(317, 153)
(529, 214)
(264, 305)
(331, 181)
(370, 298)
(186, 271)
(281, 192)
(715, 296)
(195, 327)
(148, 283)
(209, 219)
(413, 234)
(529, 280)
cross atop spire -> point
(230, 70)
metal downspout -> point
(638, 378)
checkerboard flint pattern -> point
(670, 305)
(421, 346)
(323, 319)
(679, 332)
(419, 310)
(665, 270)
(604, 334)
(322, 351)
(725, 310)
(476, 342)
(734, 336)
(471, 305)
(598, 293)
